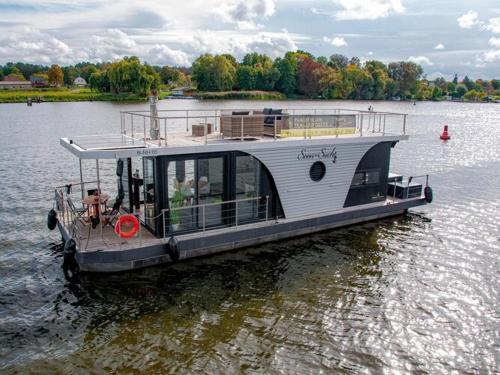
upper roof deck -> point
(144, 133)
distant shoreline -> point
(87, 95)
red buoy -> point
(444, 135)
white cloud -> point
(164, 55)
(467, 20)
(336, 41)
(370, 53)
(439, 46)
(495, 42)
(492, 56)
(112, 45)
(421, 60)
(33, 46)
(493, 25)
(245, 13)
(367, 9)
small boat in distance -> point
(207, 181)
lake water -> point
(417, 293)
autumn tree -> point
(309, 76)
(56, 75)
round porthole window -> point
(317, 171)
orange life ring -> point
(127, 219)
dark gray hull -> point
(212, 243)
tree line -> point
(296, 74)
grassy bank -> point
(251, 95)
(64, 95)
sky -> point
(446, 37)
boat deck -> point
(95, 239)
(141, 133)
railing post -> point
(187, 121)
(274, 127)
(404, 124)
(203, 218)
(267, 207)
(206, 131)
(241, 129)
(361, 125)
(144, 125)
(236, 215)
(164, 224)
(81, 179)
(383, 131)
(165, 131)
(132, 125)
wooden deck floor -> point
(93, 239)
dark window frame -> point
(365, 173)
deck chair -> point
(78, 211)
(112, 214)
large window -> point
(181, 194)
(210, 190)
(248, 181)
(200, 191)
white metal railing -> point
(407, 182)
(141, 127)
(201, 217)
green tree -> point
(169, 75)
(495, 83)
(338, 61)
(254, 59)
(56, 75)
(129, 75)
(380, 77)
(70, 73)
(455, 79)
(436, 93)
(99, 81)
(287, 82)
(245, 77)
(405, 74)
(474, 95)
(461, 90)
(213, 73)
(469, 83)
(14, 72)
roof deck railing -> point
(140, 127)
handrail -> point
(204, 216)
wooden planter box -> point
(198, 130)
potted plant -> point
(175, 204)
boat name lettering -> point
(324, 153)
(147, 152)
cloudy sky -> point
(444, 36)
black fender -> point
(52, 219)
(428, 194)
(173, 249)
(70, 265)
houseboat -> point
(188, 183)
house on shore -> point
(179, 91)
(80, 82)
(14, 84)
